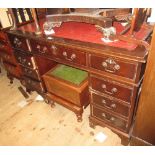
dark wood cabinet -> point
(6, 53)
(115, 73)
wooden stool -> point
(69, 87)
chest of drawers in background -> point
(31, 78)
(32, 66)
(9, 61)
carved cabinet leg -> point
(91, 124)
(28, 90)
(124, 140)
(10, 77)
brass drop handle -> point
(17, 42)
(7, 57)
(44, 49)
(110, 65)
(112, 106)
(19, 59)
(109, 119)
(113, 90)
(1, 45)
(73, 56)
(24, 60)
(38, 47)
(54, 49)
(28, 71)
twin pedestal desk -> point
(115, 71)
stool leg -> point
(52, 104)
(49, 101)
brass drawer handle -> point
(27, 71)
(7, 57)
(113, 90)
(19, 59)
(54, 49)
(42, 51)
(110, 65)
(1, 45)
(38, 47)
(17, 42)
(73, 56)
(109, 119)
(112, 106)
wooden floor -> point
(37, 124)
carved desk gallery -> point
(115, 69)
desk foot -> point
(10, 78)
(92, 125)
(28, 91)
(79, 117)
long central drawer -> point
(59, 52)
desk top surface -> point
(87, 35)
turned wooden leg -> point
(46, 100)
(91, 124)
(52, 104)
(49, 101)
(79, 117)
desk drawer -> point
(109, 118)
(41, 48)
(3, 38)
(114, 66)
(46, 49)
(25, 60)
(12, 69)
(18, 42)
(73, 56)
(111, 88)
(110, 104)
(7, 57)
(31, 73)
(59, 52)
(33, 84)
(6, 49)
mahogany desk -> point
(115, 69)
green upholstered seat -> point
(70, 74)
